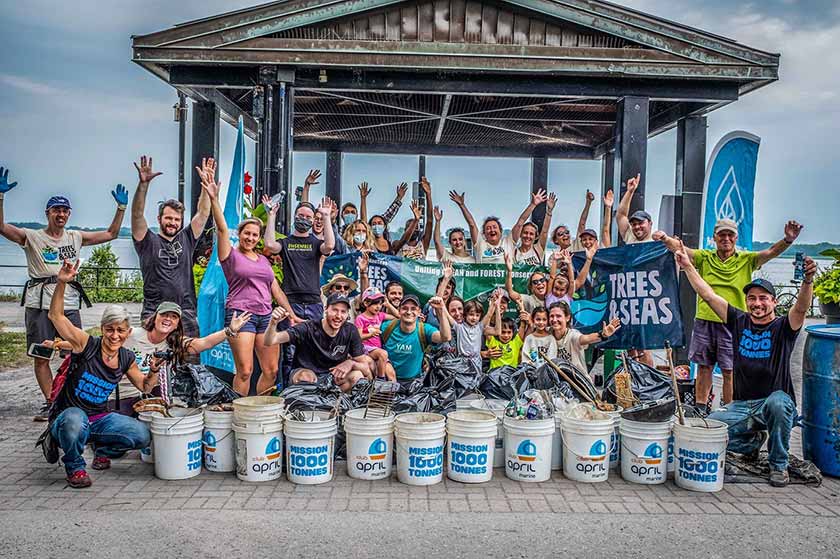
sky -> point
(75, 113)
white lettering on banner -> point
(637, 298)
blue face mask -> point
(378, 230)
(348, 218)
(359, 238)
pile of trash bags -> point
(196, 387)
(647, 383)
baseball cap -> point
(590, 232)
(372, 294)
(410, 297)
(168, 306)
(59, 202)
(640, 215)
(761, 283)
(336, 298)
(726, 225)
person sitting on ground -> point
(492, 245)
(571, 343)
(471, 331)
(588, 237)
(531, 249)
(80, 412)
(537, 287)
(506, 348)
(407, 338)
(764, 402)
(539, 338)
(329, 348)
(636, 228)
(457, 243)
(369, 323)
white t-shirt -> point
(468, 341)
(576, 245)
(530, 302)
(452, 257)
(44, 257)
(630, 238)
(531, 256)
(532, 343)
(485, 253)
(143, 349)
(570, 348)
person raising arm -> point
(460, 201)
(606, 230)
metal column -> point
(608, 183)
(631, 147)
(539, 180)
(205, 143)
(332, 185)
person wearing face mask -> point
(382, 238)
(531, 247)
(349, 215)
(358, 236)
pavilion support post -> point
(539, 180)
(631, 147)
(333, 179)
(205, 143)
(608, 183)
(689, 184)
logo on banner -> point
(729, 204)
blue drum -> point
(821, 398)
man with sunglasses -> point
(166, 257)
(344, 286)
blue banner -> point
(730, 187)
(214, 287)
(636, 283)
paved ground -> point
(11, 315)
(216, 514)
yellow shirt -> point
(510, 351)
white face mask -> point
(359, 238)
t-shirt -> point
(404, 349)
(317, 351)
(727, 278)
(510, 351)
(762, 355)
(138, 343)
(90, 383)
(485, 253)
(570, 348)
(532, 343)
(469, 341)
(630, 238)
(364, 323)
(44, 257)
(530, 256)
(249, 282)
(577, 245)
(531, 302)
(167, 269)
(551, 298)
(301, 268)
(452, 257)
(415, 252)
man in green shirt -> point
(727, 271)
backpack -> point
(421, 333)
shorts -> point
(711, 342)
(257, 324)
(39, 327)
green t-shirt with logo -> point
(510, 351)
(727, 278)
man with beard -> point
(764, 403)
(166, 261)
(45, 250)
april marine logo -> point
(209, 441)
(273, 449)
(378, 449)
(526, 451)
(653, 454)
(597, 452)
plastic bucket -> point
(497, 407)
(147, 454)
(310, 446)
(528, 448)
(219, 441)
(178, 446)
(644, 451)
(557, 444)
(585, 448)
(700, 454)
(821, 397)
(471, 445)
(419, 441)
(255, 410)
(259, 450)
(717, 390)
(615, 440)
(370, 444)
(671, 460)
(466, 402)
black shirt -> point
(317, 351)
(167, 269)
(90, 381)
(762, 355)
(301, 268)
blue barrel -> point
(821, 398)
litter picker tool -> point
(381, 396)
(670, 354)
(603, 406)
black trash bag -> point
(436, 399)
(466, 375)
(315, 396)
(647, 383)
(497, 384)
(546, 378)
(197, 386)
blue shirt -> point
(404, 350)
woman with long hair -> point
(382, 237)
(358, 236)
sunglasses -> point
(341, 287)
(538, 281)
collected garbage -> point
(646, 383)
(195, 386)
(533, 404)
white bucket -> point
(700, 454)
(147, 454)
(671, 460)
(471, 445)
(178, 448)
(259, 450)
(585, 448)
(370, 444)
(557, 444)
(419, 440)
(528, 448)
(644, 451)
(219, 441)
(615, 440)
(497, 407)
(255, 410)
(310, 446)
(467, 401)
(717, 391)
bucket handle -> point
(220, 440)
(566, 445)
(180, 420)
(633, 454)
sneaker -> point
(101, 463)
(79, 479)
(779, 478)
(44, 413)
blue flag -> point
(730, 187)
(214, 287)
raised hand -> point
(538, 197)
(120, 194)
(524, 316)
(326, 207)
(459, 199)
(610, 328)
(590, 197)
(509, 262)
(448, 271)
(402, 188)
(5, 186)
(312, 177)
(239, 320)
(424, 184)
(658, 235)
(279, 314)
(364, 190)
(810, 268)
(551, 202)
(436, 303)
(207, 171)
(68, 271)
(145, 173)
(682, 257)
(212, 188)
(633, 183)
(415, 209)
(438, 214)
(609, 198)
(364, 260)
(792, 230)
(269, 207)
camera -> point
(166, 355)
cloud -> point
(27, 85)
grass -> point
(13, 348)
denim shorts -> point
(711, 342)
(257, 324)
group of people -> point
(330, 335)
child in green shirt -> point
(505, 349)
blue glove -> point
(120, 195)
(4, 181)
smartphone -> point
(298, 193)
(799, 266)
(40, 351)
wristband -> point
(230, 333)
(601, 336)
(787, 241)
(808, 281)
(2, 195)
(121, 207)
